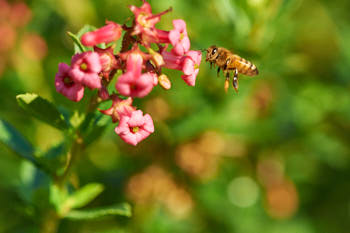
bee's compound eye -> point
(214, 51)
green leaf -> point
(15, 141)
(83, 196)
(78, 46)
(93, 126)
(55, 158)
(57, 196)
(42, 110)
(123, 209)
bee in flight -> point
(228, 61)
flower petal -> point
(148, 123)
(93, 62)
(179, 25)
(92, 80)
(136, 119)
(188, 66)
(195, 55)
(174, 36)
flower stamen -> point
(135, 129)
(83, 66)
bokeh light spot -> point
(243, 192)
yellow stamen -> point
(182, 36)
(142, 19)
(135, 129)
(67, 80)
(83, 66)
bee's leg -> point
(218, 71)
(235, 80)
(211, 65)
(227, 81)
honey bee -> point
(228, 61)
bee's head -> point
(212, 53)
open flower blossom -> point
(106, 34)
(85, 69)
(145, 23)
(66, 86)
(188, 64)
(191, 67)
(178, 38)
(119, 108)
(137, 70)
(134, 128)
(132, 82)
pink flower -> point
(134, 128)
(106, 34)
(188, 64)
(119, 108)
(145, 23)
(191, 67)
(65, 84)
(178, 38)
(85, 69)
(172, 61)
(132, 82)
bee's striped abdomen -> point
(245, 67)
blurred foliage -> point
(274, 158)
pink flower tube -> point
(106, 34)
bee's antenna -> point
(203, 50)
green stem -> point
(76, 149)
(52, 219)
(50, 223)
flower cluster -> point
(141, 71)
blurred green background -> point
(272, 159)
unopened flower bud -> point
(103, 93)
(108, 61)
(157, 58)
(119, 108)
(164, 81)
(106, 34)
